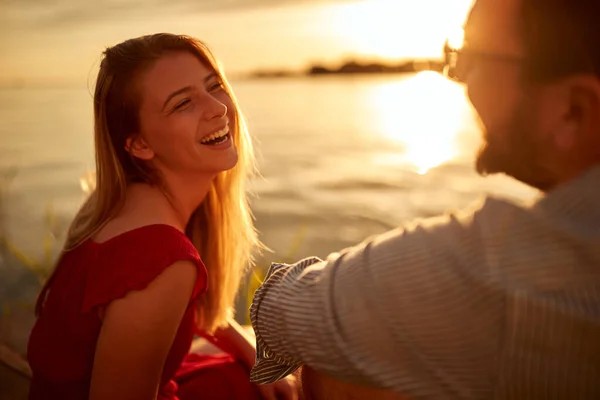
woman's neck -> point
(185, 195)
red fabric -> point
(214, 377)
(63, 340)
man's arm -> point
(414, 310)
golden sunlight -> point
(456, 37)
(425, 114)
(397, 28)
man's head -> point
(532, 70)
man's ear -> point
(580, 122)
(137, 147)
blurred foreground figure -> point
(500, 301)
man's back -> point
(550, 336)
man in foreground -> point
(501, 300)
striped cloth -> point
(500, 301)
(269, 367)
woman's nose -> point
(213, 108)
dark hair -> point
(561, 38)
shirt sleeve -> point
(416, 310)
(269, 367)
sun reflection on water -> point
(426, 115)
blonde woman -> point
(157, 252)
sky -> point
(61, 40)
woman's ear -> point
(137, 147)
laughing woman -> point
(157, 252)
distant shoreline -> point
(353, 67)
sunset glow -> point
(392, 28)
(244, 38)
(424, 115)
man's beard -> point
(515, 151)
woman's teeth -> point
(217, 137)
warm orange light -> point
(399, 28)
(456, 38)
(427, 114)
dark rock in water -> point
(19, 287)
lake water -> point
(341, 158)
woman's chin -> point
(224, 162)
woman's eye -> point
(215, 86)
(183, 104)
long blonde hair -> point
(221, 228)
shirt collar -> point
(577, 199)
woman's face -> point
(186, 119)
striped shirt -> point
(498, 301)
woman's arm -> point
(234, 339)
(137, 333)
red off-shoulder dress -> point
(63, 340)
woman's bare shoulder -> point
(144, 206)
